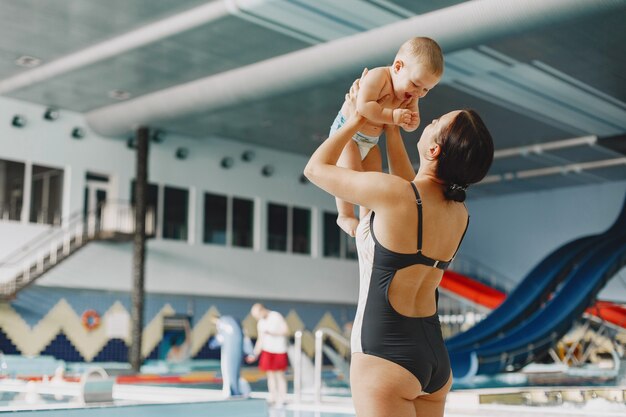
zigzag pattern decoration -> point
(203, 330)
(328, 321)
(62, 319)
(308, 339)
(248, 325)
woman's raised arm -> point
(397, 157)
(367, 189)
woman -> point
(400, 366)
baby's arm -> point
(413, 106)
(371, 89)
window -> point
(337, 244)
(301, 231)
(243, 220)
(175, 208)
(350, 245)
(11, 190)
(332, 236)
(276, 227)
(215, 207)
(152, 202)
(288, 227)
(46, 195)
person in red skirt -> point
(271, 350)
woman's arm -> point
(397, 157)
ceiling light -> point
(227, 162)
(119, 95)
(51, 114)
(267, 170)
(18, 121)
(78, 133)
(247, 156)
(158, 136)
(27, 61)
(182, 153)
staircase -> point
(111, 221)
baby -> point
(416, 69)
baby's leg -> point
(372, 162)
(350, 158)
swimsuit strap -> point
(418, 201)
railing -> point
(297, 372)
(297, 368)
(483, 273)
(31, 260)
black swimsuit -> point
(415, 343)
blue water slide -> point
(519, 346)
(527, 296)
(519, 339)
(533, 290)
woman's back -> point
(411, 292)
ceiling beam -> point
(467, 24)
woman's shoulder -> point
(432, 195)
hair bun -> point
(455, 192)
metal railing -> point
(29, 261)
(297, 371)
(483, 273)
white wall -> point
(173, 266)
(512, 233)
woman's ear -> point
(434, 150)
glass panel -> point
(301, 230)
(332, 236)
(351, 252)
(243, 220)
(215, 218)
(11, 190)
(276, 227)
(46, 195)
(176, 201)
(152, 202)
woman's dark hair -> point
(466, 153)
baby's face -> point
(412, 79)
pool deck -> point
(167, 401)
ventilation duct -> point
(456, 27)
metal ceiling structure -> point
(273, 72)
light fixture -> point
(78, 133)
(227, 162)
(267, 170)
(131, 143)
(51, 114)
(28, 61)
(158, 136)
(119, 94)
(303, 179)
(182, 153)
(247, 156)
(18, 121)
